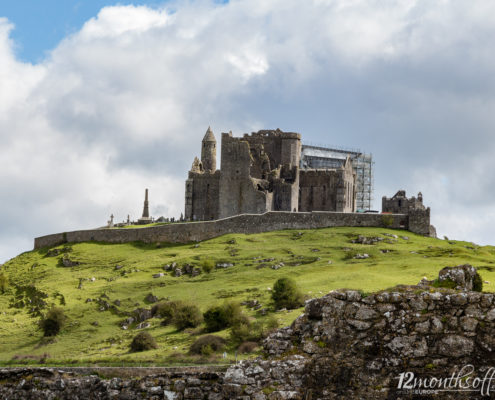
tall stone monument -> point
(145, 219)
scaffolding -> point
(320, 157)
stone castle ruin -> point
(268, 181)
(400, 204)
(413, 207)
(261, 172)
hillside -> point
(117, 278)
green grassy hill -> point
(319, 260)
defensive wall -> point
(419, 222)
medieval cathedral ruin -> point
(263, 172)
(267, 181)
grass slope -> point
(400, 261)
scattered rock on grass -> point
(224, 265)
(361, 256)
(151, 298)
(67, 262)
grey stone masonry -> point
(261, 172)
(246, 223)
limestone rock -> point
(462, 275)
(455, 346)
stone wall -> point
(246, 223)
(401, 204)
(419, 221)
(346, 345)
(202, 192)
(238, 192)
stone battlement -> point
(244, 223)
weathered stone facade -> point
(260, 172)
(346, 345)
(419, 215)
(401, 204)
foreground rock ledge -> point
(345, 345)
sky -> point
(100, 100)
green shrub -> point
(53, 321)
(4, 282)
(285, 294)
(207, 266)
(207, 345)
(187, 316)
(243, 332)
(271, 324)
(387, 220)
(143, 341)
(166, 310)
(215, 319)
(350, 254)
(223, 316)
(478, 283)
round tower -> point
(209, 152)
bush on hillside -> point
(207, 266)
(53, 321)
(477, 283)
(247, 331)
(207, 345)
(4, 282)
(143, 341)
(285, 294)
(243, 332)
(187, 316)
(166, 310)
(223, 316)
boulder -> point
(151, 298)
(462, 275)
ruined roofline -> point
(264, 133)
(273, 132)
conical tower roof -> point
(209, 136)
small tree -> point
(215, 319)
(187, 316)
(4, 282)
(220, 317)
(285, 294)
(143, 341)
(166, 310)
(53, 321)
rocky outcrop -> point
(402, 343)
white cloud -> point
(115, 22)
(122, 104)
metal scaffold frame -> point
(320, 157)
